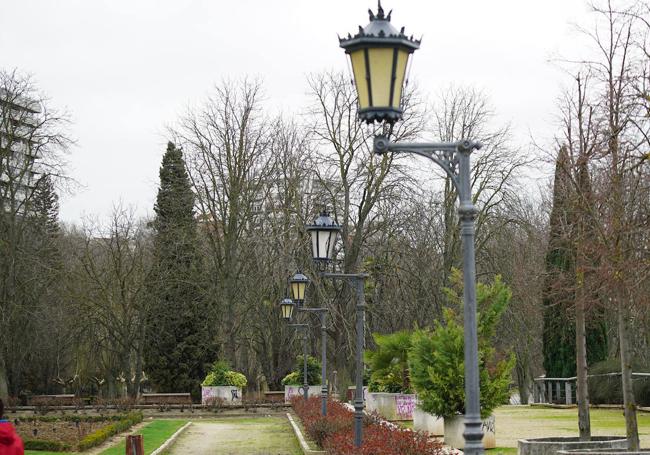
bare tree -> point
(32, 142)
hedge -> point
(101, 435)
(40, 444)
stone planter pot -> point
(291, 391)
(454, 427)
(423, 421)
(392, 406)
(550, 446)
(228, 394)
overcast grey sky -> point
(125, 69)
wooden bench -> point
(53, 400)
(166, 398)
(274, 396)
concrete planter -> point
(423, 421)
(291, 391)
(229, 394)
(392, 406)
(601, 452)
(551, 446)
(454, 427)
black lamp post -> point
(378, 54)
(323, 235)
(287, 307)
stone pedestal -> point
(227, 394)
(392, 406)
(454, 427)
(423, 421)
(291, 391)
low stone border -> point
(171, 440)
(301, 439)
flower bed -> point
(335, 432)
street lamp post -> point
(323, 234)
(322, 316)
(379, 55)
(287, 306)
(305, 384)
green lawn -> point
(155, 434)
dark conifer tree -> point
(559, 336)
(179, 344)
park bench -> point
(274, 396)
(53, 400)
(166, 398)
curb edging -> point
(171, 440)
(301, 439)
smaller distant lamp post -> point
(298, 283)
(323, 237)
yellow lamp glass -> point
(298, 291)
(358, 61)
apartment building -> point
(19, 174)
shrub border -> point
(98, 437)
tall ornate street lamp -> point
(379, 55)
(287, 307)
(324, 232)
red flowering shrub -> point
(335, 432)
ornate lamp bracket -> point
(444, 154)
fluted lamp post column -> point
(379, 55)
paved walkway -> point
(238, 436)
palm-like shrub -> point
(389, 363)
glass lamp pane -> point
(331, 243)
(298, 291)
(314, 245)
(358, 60)
(381, 75)
(400, 75)
(323, 244)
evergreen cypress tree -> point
(559, 327)
(559, 338)
(178, 351)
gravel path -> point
(238, 436)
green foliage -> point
(221, 375)
(436, 359)
(40, 444)
(98, 437)
(389, 363)
(296, 376)
(179, 340)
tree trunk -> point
(4, 389)
(523, 380)
(582, 392)
(629, 404)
